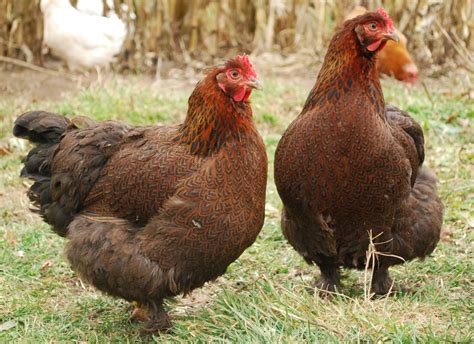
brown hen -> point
(152, 212)
(349, 165)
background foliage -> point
(180, 30)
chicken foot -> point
(329, 281)
(159, 319)
(382, 283)
(139, 313)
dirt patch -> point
(31, 87)
(27, 86)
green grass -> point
(263, 296)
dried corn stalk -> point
(182, 30)
(21, 30)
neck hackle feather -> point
(347, 67)
(213, 117)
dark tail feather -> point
(37, 164)
(46, 130)
(429, 212)
(40, 126)
(417, 226)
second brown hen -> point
(349, 167)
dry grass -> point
(263, 297)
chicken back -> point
(349, 167)
(152, 212)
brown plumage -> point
(152, 212)
(394, 60)
(348, 165)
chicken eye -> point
(234, 74)
(373, 26)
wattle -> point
(375, 45)
(240, 95)
(247, 94)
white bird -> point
(95, 7)
(83, 40)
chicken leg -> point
(159, 319)
(329, 282)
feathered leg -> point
(106, 252)
(415, 232)
(304, 237)
(329, 280)
(159, 318)
(382, 283)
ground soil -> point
(34, 86)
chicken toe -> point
(139, 313)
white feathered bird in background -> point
(83, 40)
(91, 6)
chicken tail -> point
(40, 126)
(45, 129)
(417, 226)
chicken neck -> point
(347, 80)
(213, 118)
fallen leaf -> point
(451, 118)
(446, 235)
(7, 325)
(4, 151)
(46, 265)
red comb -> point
(388, 21)
(245, 61)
